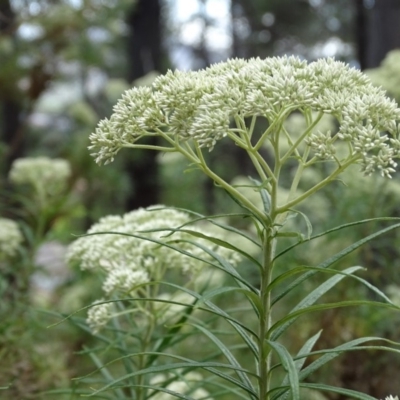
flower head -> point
(187, 384)
(10, 238)
(99, 314)
(130, 261)
(199, 106)
(48, 176)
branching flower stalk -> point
(193, 111)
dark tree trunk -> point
(360, 34)
(10, 109)
(144, 50)
(378, 30)
(144, 55)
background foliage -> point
(63, 64)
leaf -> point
(243, 377)
(106, 373)
(327, 388)
(265, 196)
(219, 242)
(306, 348)
(338, 228)
(313, 297)
(212, 367)
(289, 366)
(237, 325)
(256, 217)
(327, 263)
(253, 297)
(281, 278)
(333, 353)
(308, 224)
(226, 266)
(329, 306)
(211, 219)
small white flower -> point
(391, 398)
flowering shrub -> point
(194, 111)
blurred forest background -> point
(64, 64)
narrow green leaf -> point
(230, 357)
(330, 261)
(106, 373)
(256, 217)
(329, 306)
(333, 389)
(289, 366)
(288, 274)
(303, 352)
(219, 242)
(335, 229)
(308, 224)
(211, 220)
(212, 367)
(333, 353)
(313, 297)
(253, 298)
(226, 266)
(265, 196)
(237, 325)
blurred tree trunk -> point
(144, 44)
(10, 107)
(377, 30)
(144, 56)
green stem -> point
(320, 185)
(297, 176)
(150, 147)
(265, 319)
(230, 189)
(301, 137)
(277, 121)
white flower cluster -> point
(387, 74)
(99, 315)
(47, 175)
(391, 398)
(130, 261)
(10, 238)
(199, 106)
(187, 385)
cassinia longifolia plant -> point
(190, 113)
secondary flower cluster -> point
(199, 106)
(10, 238)
(48, 176)
(130, 261)
(190, 384)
